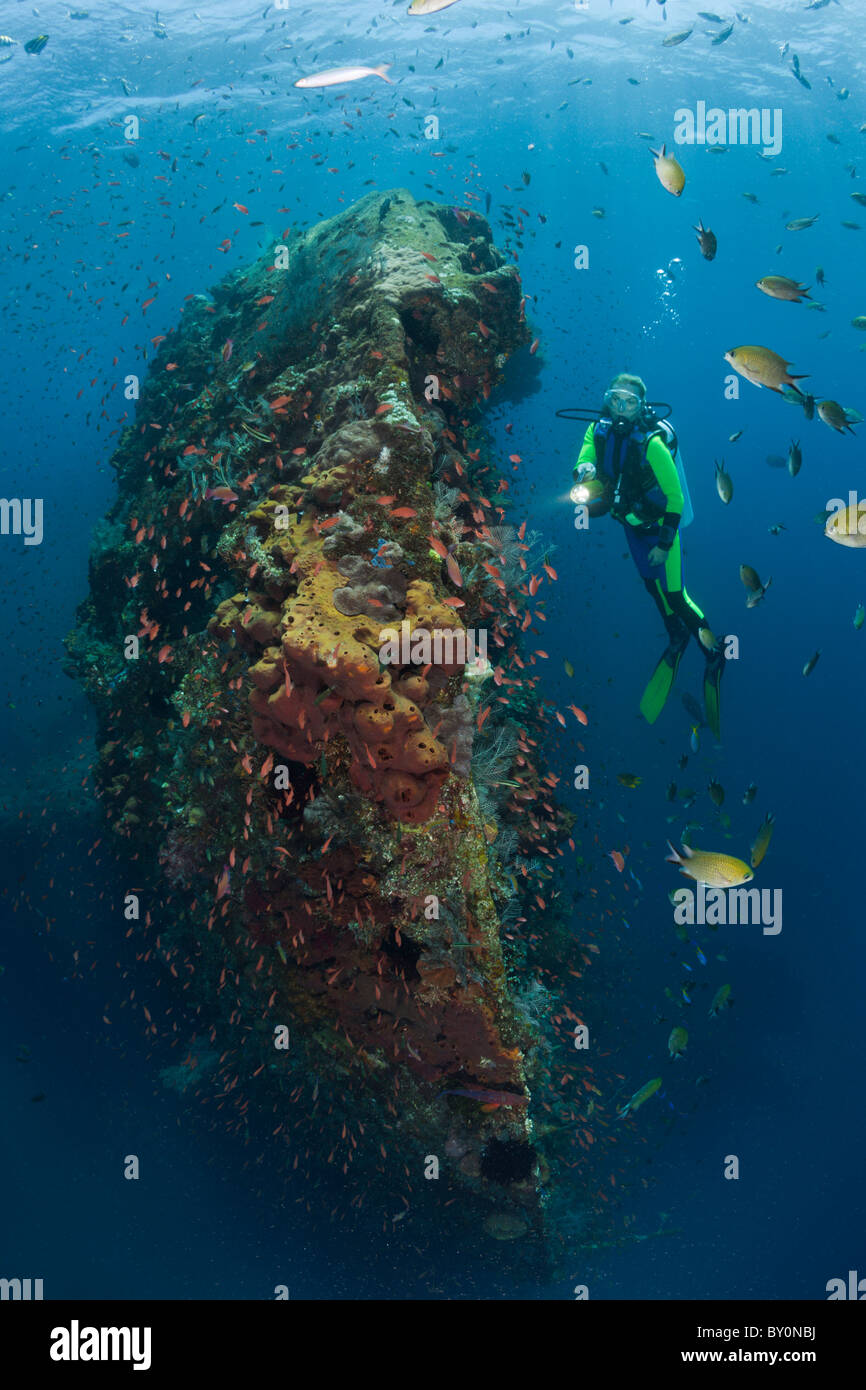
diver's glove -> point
(583, 473)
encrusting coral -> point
(307, 789)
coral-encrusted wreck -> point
(304, 473)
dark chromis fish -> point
(835, 415)
(724, 481)
(706, 241)
(811, 663)
(801, 398)
(721, 1000)
(752, 582)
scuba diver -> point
(628, 465)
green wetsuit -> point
(664, 582)
(650, 509)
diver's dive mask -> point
(623, 404)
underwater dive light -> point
(594, 494)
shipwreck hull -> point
(304, 474)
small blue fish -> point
(695, 739)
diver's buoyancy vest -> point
(621, 460)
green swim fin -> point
(661, 682)
(713, 694)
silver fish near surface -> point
(422, 7)
(334, 77)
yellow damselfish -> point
(762, 839)
(705, 866)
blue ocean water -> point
(531, 101)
